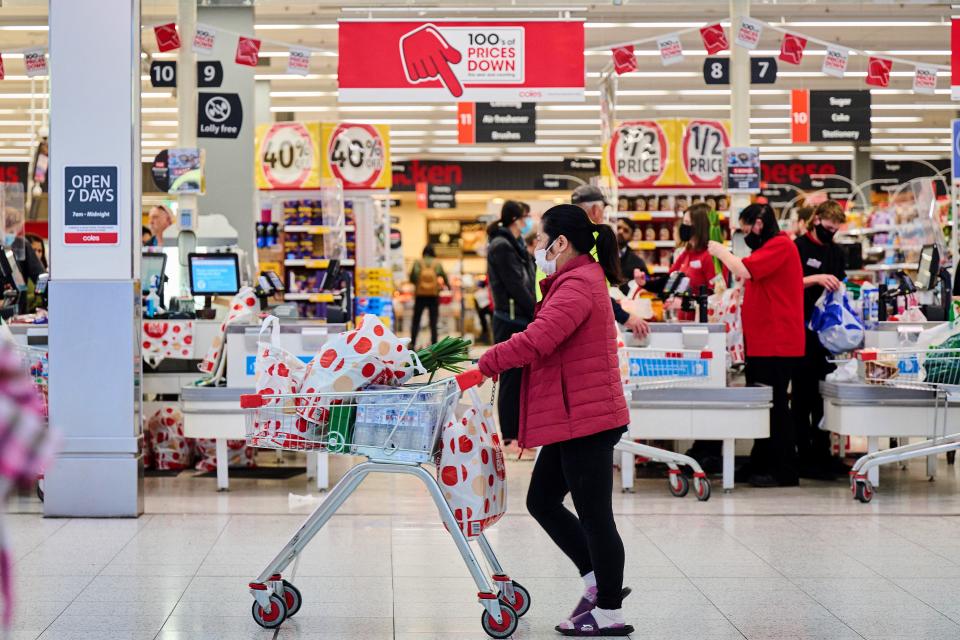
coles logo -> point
(704, 142)
(638, 153)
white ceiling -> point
(904, 124)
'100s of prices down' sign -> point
(458, 61)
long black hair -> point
(571, 221)
(510, 212)
(764, 212)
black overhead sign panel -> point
(506, 123)
(839, 116)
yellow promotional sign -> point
(641, 154)
(701, 144)
(357, 154)
(288, 155)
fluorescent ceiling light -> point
(769, 120)
(302, 94)
(293, 76)
(25, 27)
(294, 27)
(910, 130)
(896, 119)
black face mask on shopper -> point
(686, 232)
(753, 241)
(824, 235)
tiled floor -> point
(776, 564)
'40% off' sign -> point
(287, 157)
(358, 155)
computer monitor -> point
(928, 268)
(213, 274)
(152, 264)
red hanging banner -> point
(1, 67)
(460, 61)
(791, 48)
(714, 38)
(167, 37)
(624, 59)
(878, 72)
(248, 51)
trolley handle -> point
(252, 401)
(470, 378)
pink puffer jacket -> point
(571, 379)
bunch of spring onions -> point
(449, 355)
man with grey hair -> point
(591, 199)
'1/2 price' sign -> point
(90, 206)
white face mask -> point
(549, 267)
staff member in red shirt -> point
(694, 260)
(773, 334)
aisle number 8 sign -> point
(358, 155)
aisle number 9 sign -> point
(357, 154)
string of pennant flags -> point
(204, 39)
(792, 47)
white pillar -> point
(94, 290)
(739, 98)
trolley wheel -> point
(701, 488)
(504, 629)
(863, 491)
(40, 493)
(679, 484)
(521, 599)
(291, 598)
(272, 619)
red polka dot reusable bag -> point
(471, 471)
(277, 372)
(370, 354)
(171, 449)
(243, 307)
(238, 454)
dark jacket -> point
(629, 260)
(511, 273)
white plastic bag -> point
(834, 321)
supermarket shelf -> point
(316, 229)
(309, 297)
(644, 216)
(315, 264)
(670, 191)
(647, 245)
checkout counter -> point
(712, 410)
(856, 409)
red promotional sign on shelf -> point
(878, 72)
(714, 38)
(248, 51)
(448, 61)
(624, 59)
(791, 48)
(800, 115)
(167, 37)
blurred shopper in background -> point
(804, 214)
(159, 220)
(511, 275)
(428, 278)
(773, 334)
(632, 266)
(823, 269)
(484, 304)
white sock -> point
(590, 580)
(607, 617)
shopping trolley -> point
(660, 369)
(35, 363)
(397, 429)
(933, 369)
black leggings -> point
(582, 467)
(431, 304)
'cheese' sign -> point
(90, 206)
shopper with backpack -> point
(428, 278)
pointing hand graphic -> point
(426, 54)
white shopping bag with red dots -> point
(238, 454)
(277, 372)
(471, 471)
(370, 354)
(725, 308)
(171, 450)
(243, 307)
(167, 339)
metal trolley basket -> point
(397, 429)
(662, 369)
(36, 364)
(933, 369)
